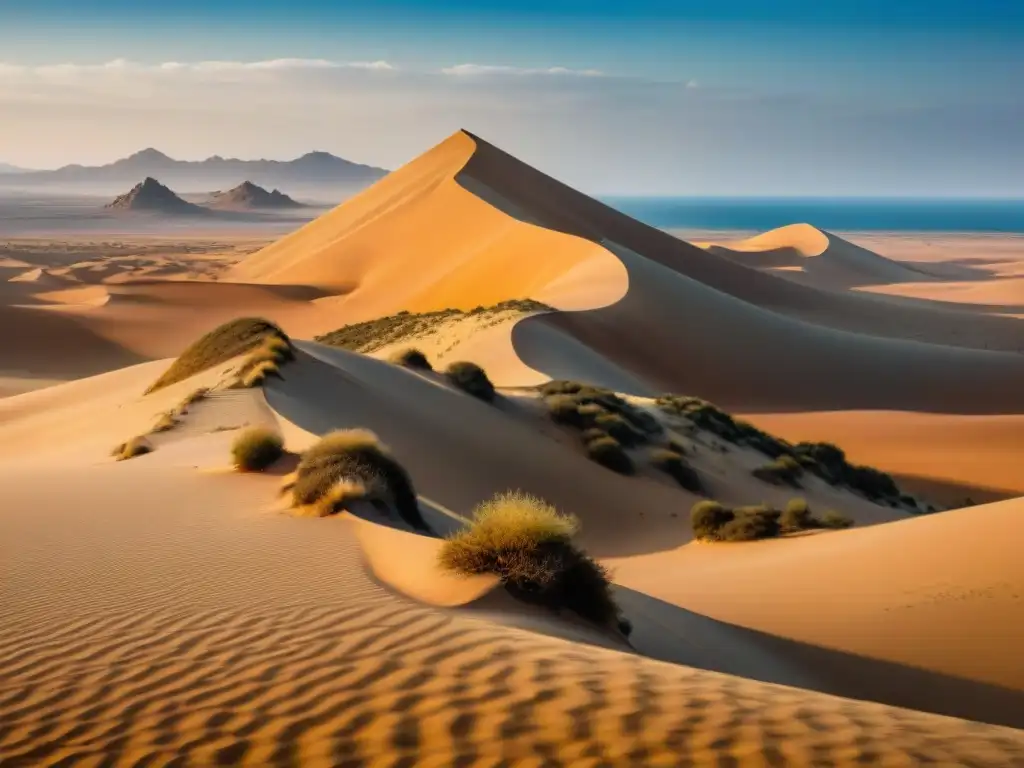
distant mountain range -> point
(319, 171)
(7, 168)
(150, 196)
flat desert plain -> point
(169, 609)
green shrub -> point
(528, 545)
(608, 452)
(218, 346)
(785, 470)
(672, 464)
(129, 449)
(354, 456)
(256, 448)
(471, 379)
(412, 358)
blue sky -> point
(787, 97)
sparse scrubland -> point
(527, 543)
(129, 449)
(372, 335)
(471, 379)
(790, 461)
(256, 448)
(351, 464)
(712, 521)
(223, 343)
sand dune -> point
(169, 610)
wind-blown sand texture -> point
(167, 610)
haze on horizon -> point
(644, 98)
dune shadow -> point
(670, 633)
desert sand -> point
(168, 610)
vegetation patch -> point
(412, 358)
(229, 340)
(471, 379)
(372, 335)
(129, 449)
(784, 470)
(256, 374)
(674, 465)
(528, 545)
(608, 452)
(349, 464)
(712, 419)
(594, 401)
(256, 448)
(712, 521)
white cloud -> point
(492, 69)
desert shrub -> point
(745, 529)
(871, 482)
(833, 519)
(560, 387)
(608, 452)
(616, 426)
(564, 409)
(279, 348)
(471, 379)
(354, 456)
(592, 434)
(764, 520)
(218, 346)
(707, 518)
(712, 419)
(796, 516)
(257, 375)
(342, 495)
(256, 448)
(528, 545)
(672, 464)
(412, 358)
(129, 449)
(192, 398)
(785, 470)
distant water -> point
(849, 214)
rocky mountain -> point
(151, 196)
(249, 196)
(320, 171)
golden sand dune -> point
(815, 257)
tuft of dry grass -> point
(784, 470)
(224, 342)
(256, 448)
(166, 422)
(354, 456)
(412, 358)
(835, 520)
(129, 449)
(257, 374)
(527, 543)
(342, 495)
(192, 398)
(609, 453)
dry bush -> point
(355, 456)
(218, 346)
(256, 448)
(673, 464)
(129, 449)
(608, 452)
(471, 379)
(707, 519)
(257, 375)
(167, 421)
(192, 398)
(835, 520)
(412, 358)
(527, 544)
(785, 470)
(797, 516)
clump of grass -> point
(256, 448)
(796, 516)
(716, 421)
(833, 519)
(673, 464)
(784, 470)
(564, 409)
(412, 358)
(527, 544)
(471, 379)
(342, 495)
(592, 434)
(192, 398)
(167, 421)
(129, 449)
(218, 346)
(257, 375)
(355, 457)
(830, 464)
(616, 426)
(707, 518)
(608, 452)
